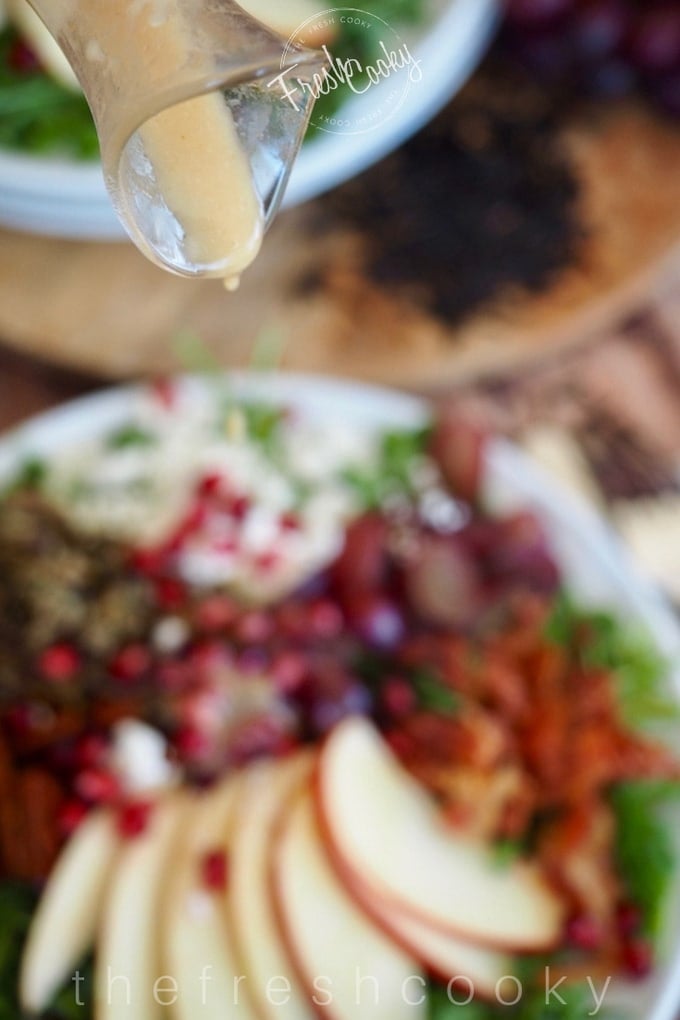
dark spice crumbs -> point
(481, 202)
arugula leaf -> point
(392, 475)
(506, 852)
(440, 1007)
(644, 846)
(578, 1003)
(74, 1002)
(599, 639)
(39, 115)
(130, 435)
(433, 695)
(16, 906)
(31, 474)
(356, 43)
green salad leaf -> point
(644, 845)
(432, 694)
(130, 435)
(577, 1003)
(30, 475)
(601, 640)
(39, 115)
(399, 452)
(356, 43)
(17, 903)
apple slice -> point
(384, 831)
(446, 956)
(127, 964)
(198, 949)
(350, 968)
(64, 924)
(264, 792)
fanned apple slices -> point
(64, 924)
(341, 886)
(349, 967)
(386, 835)
(198, 948)
(265, 792)
(128, 963)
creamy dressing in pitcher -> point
(205, 178)
(196, 161)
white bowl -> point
(64, 198)
(593, 562)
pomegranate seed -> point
(170, 593)
(210, 484)
(130, 663)
(209, 655)
(253, 661)
(192, 745)
(59, 663)
(216, 612)
(90, 750)
(628, 919)
(267, 561)
(193, 521)
(238, 507)
(133, 818)
(288, 670)
(214, 870)
(149, 561)
(254, 628)
(70, 816)
(165, 392)
(637, 958)
(402, 744)
(398, 697)
(22, 58)
(584, 932)
(225, 546)
(172, 676)
(292, 622)
(326, 619)
(97, 786)
(290, 522)
(20, 719)
(257, 736)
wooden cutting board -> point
(103, 309)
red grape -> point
(654, 42)
(600, 28)
(537, 13)
(458, 447)
(443, 584)
(378, 621)
(364, 562)
(667, 91)
(613, 79)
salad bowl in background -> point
(66, 198)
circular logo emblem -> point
(367, 73)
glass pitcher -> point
(197, 136)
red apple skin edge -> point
(362, 897)
(320, 1011)
(346, 873)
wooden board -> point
(103, 309)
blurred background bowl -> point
(64, 198)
